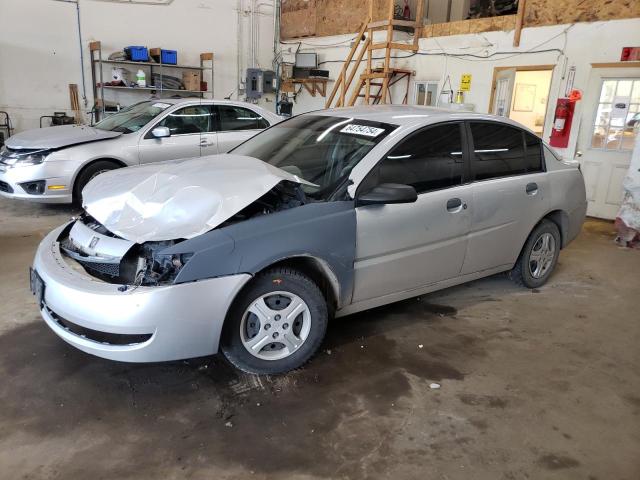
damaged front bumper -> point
(139, 324)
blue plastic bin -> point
(169, 57)
(137, 53)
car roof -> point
(407, 114)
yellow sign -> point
(465, 82)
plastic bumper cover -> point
(174, 321)
(11, 178)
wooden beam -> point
(346, 64)
(354, 70)
(616, 65)
(519, 20)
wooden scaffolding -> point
(380, 78)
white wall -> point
(39, 51)
(564, 46)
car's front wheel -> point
(538, 257)
(276, 324)
(90, 172)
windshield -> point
(133, 118)
(320, 149)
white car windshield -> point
(133, 118)
(320, 149)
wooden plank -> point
(94, 46)
(519, 19)
(355, 69)
(298, 19)
(556, 12)
(346, 65)
(616, 65)
(207, 56)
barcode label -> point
(362, 130)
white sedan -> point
(53, 165)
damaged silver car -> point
(323, 215)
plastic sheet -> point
(629, 211)
(180, 198)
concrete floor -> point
(534, 384)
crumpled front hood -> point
(58, 137)
(179, 198)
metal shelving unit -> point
(99, 88)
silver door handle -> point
(455, 205)
(532, 188)
(205, 143)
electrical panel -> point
(259, 82)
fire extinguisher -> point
(561, 115)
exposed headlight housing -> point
(18, 158)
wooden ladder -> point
(382, 77)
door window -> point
(187, 120)
(533, 153)
(234, 118)
(617, 114)
(498, 150)
(430, 159)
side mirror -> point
(386, 193)
(161, 132)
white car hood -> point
(179, 198)
(58, 137)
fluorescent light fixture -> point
(397, 157)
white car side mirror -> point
(161, 132)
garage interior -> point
(484, 380)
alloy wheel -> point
(542, 255)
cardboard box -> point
(191, 80)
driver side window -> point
(430, 159)
(188, 120)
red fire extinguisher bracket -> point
(563, 118)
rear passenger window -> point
(498, 150)
(237, 118)
(533, 155)
(430, 159)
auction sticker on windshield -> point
(365, 130)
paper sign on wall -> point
(465, 82)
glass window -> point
(188, 120)
(498, 150)
(426, 93)
(318, 148)
(430, 159)
(133, 118)
(238, 118)
(533, 155)
(616, 115)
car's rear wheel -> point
(276, 324)
(538, 257)
(89, 173)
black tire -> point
(87, 173)
(522, 273)
(274, 280)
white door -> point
(505, 80)
(237, 124)
(186, 125)
(607, 134)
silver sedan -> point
(326, 214)
(53, 165)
